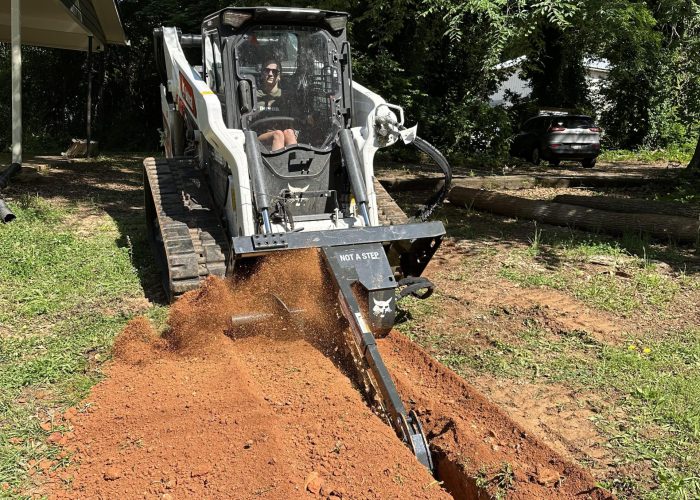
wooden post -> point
(89, 97)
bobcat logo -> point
(381, 307)
(298, 192)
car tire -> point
(535, 156)
(554, 163)
(589, 163)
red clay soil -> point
(242, 415)
(473, 438)
(209, 411)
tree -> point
(436, 58)
(695, 160)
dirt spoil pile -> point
(221, 413)
(213, 409)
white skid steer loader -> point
(269, 146)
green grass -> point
(63, 297)
(600, 287)
(41, 254)
(675, 153)
(648, 391)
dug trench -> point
(206, 410)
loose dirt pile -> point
(212, 411)
(221, 413)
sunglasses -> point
(275, 72)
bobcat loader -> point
(225, 194)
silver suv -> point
(558, 137)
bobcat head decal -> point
(382, 307)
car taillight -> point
(594, 129)
(554, 146)
(596, 146)
(556, 129)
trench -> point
(464, 465)
(455, 481)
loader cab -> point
(311, 98)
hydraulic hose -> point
(443, 186)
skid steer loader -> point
(225, 193)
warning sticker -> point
(358, 256)
(187, 94)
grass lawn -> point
(72, 274)
(639, 387)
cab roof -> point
(237, 17)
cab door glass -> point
(209, 63)
(295, 72)
(218, 65)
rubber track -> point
(389, 212)
(192, 235)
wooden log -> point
(630, 205)
(411, 182)
(660, 226)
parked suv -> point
(558, 137)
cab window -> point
(302, 93)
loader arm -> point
(193, 96)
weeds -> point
(534, 248)
(497, 484)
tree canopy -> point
(437, 58)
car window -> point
(574, 122)
(530, 125)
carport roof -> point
(66, 24)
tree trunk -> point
(560, 214)
(630, 205)
(695, 160)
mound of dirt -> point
(286, 281)
(476, 444)
(218, 409)
(224, 412)
(138, 343)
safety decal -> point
(187, 94)
(354, 256)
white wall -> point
(596, 74)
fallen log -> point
(410, 182)
(660, 226)
(630, 205)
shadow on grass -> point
(112, 184)
(489, 229)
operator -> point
(270, 99)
